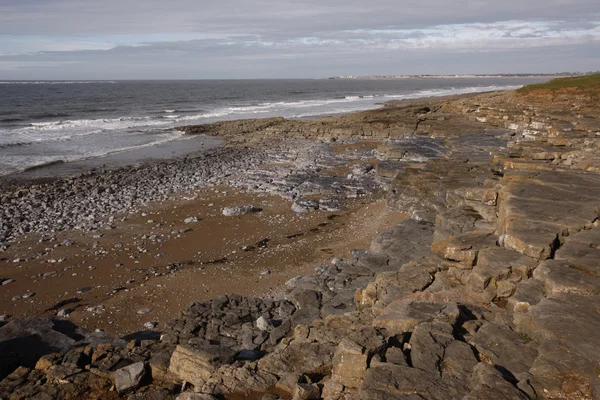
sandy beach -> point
(154, 260)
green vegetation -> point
(586, 82)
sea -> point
(88, 124)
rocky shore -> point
(488, 291)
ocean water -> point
(45, 122)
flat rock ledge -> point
(490, 291)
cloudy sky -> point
(208, 39)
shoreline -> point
(484, 276)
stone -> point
(195, 396)
(391, 285)
(395, 355)
(305, 298)
(301, 358)
(389, 381)
(428, 344)
(527, 294)
(462, 250)
(501, 346)
(130, 377)
(536, 209)
(47, 361)
(195, 364)
(565, 327)
(190, 220)
(565, 277)
(405, 314)
(488, 383)
(64, 312)
(264, 324)
(150, 324)
(35, 336)
(349, 363)
(306, 391)
(239, 210)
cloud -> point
(263, 38)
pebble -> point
(7, 281)
(84, 289)
(151, 325)
(64, 312)
(189, 220)
(28, 295)
(144, 310)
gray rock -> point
(196, 363)
(488, 383)
(405, 314)
(239, 210)
(264, 324)
(195, 396)
(64, 312)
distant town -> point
(558, 74)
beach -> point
(429, 246)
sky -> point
(239, 39)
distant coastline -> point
(381, 77)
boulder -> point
(301, 358)
(195, 364)
(130, 377)
(404, 315)
(349, 363)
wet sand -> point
(153, 262)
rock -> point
(391, 285)
(47, 361)
(151, 325)
(462, 250)
(239, 210)
(487, 383)
(565, 329)
(501, 346)
(303, 205)
(428, 345)
(306, 391)
(195, 396)
(264, 324)
(396, 356)
(565, 277)
(195, 364)
(35, 337)
(28, 295)
(527, 294)
(190, 220)
(144, 310)
(349, 363)
(389, 381)
(84, 289)
(130, 377)
(405, 314)
(64, 312)
(301, 358)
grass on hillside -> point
(587, 82)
